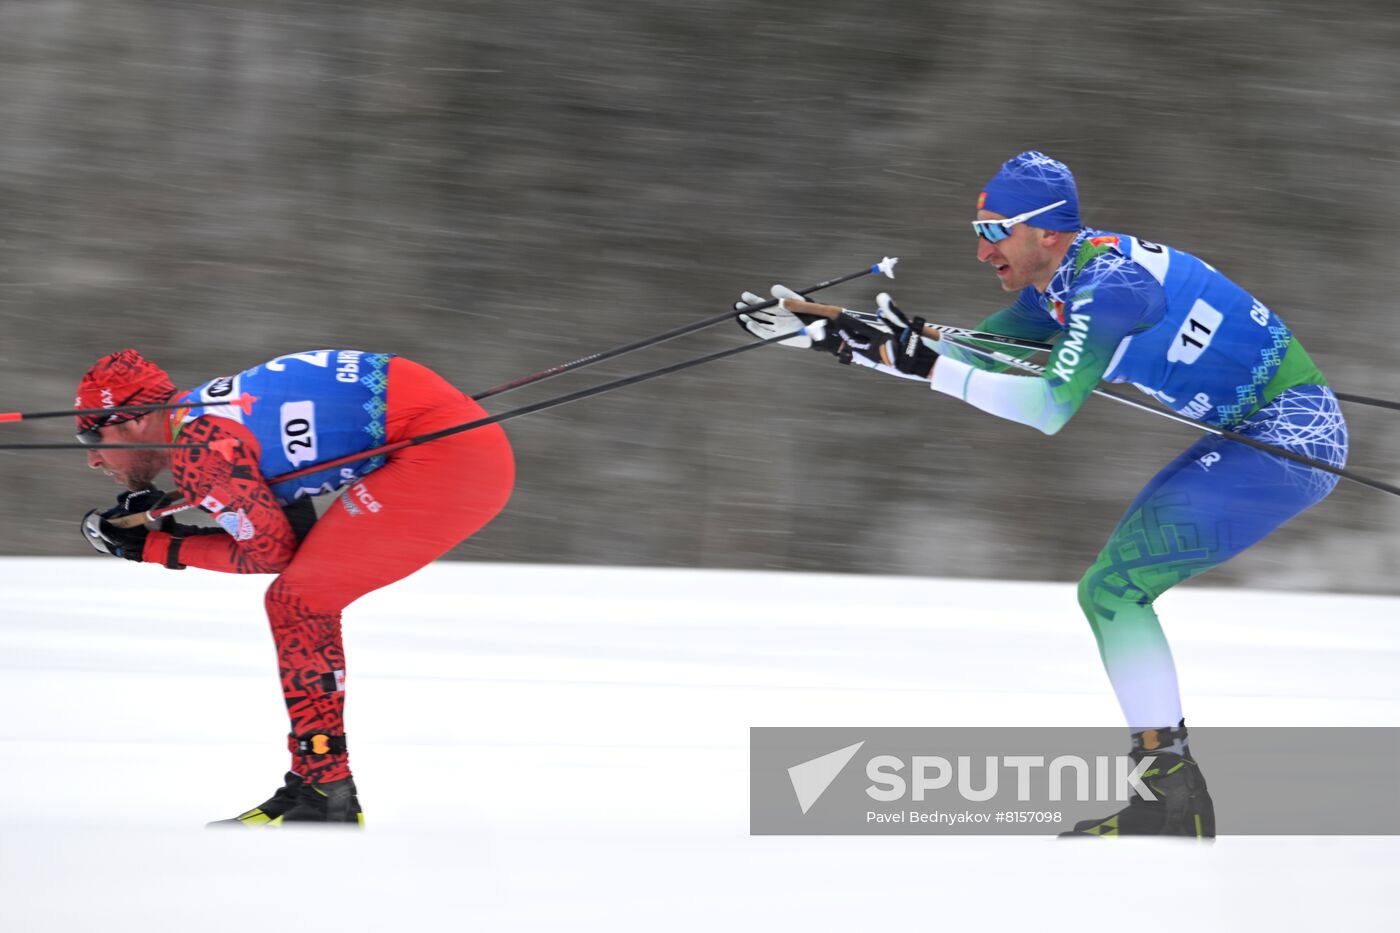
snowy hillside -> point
(545, 747)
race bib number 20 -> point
(299, 432)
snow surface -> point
(543, 747)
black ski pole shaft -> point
(829, 311)
(156, 514)
(964, 334)
(885, 266)
(595, 390)
(242, 401)
(961, 333)
(1200, 426)
(537, 406)
(72, 446)
(1366, 400)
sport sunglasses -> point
(92, 435)
(994, 231)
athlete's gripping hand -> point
(767, 323)
(891, 342)
(128, 543)
(857, 338)
(840, 337)
(906, 349)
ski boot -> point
(1183, 806)
(296, 801)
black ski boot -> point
(1183, 806)
(299, 802)
(270, 809)
(335, 803)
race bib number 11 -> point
(1193, 338)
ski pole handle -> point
(809, 307)
(932, 331)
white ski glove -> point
(772, 322)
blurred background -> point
(492, 188)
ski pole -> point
(1207, 428)
(244, 402)
(828, 311)
(884, 266)
(241, 401)
(961, 333)
(1366, 400)
(129, 521)
(72, 446)
(964, 334)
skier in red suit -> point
(394, 514)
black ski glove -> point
(850, 335)
(127, 543)
(907, 351)
(891, 340)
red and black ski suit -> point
(383, 527)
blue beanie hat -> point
(1030, 181)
